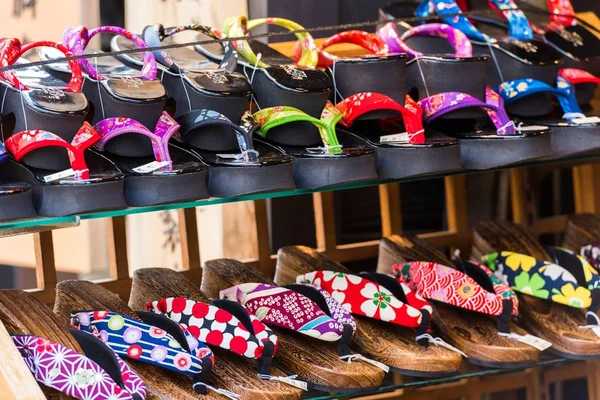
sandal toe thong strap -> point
(576, 76)
(538, 278)
(448, 285)
(77, 38)
(361, 296)
(517, 89)
(147, 343)
(74, 374)
(361, 103)
(279, 306)
(22, 143)
(217, 326)
(240, 26)
(165, 128)
(459, 41)
(443, 103)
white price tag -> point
(229, 156)
(395, 138)
(352, 357)
(286, 379)
(529, 128)
(59, 175)
(586, 120)
(150, 167)
(596, 330)
(531, 340)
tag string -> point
(224, 392)
(440, 342)
(353, 357)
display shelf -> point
(470, 372)
(17, 227)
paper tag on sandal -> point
(596, 330)
(151, 166)
(286, 379)
(59, 175)
(586, 120)
(395, 138)
(531, 340)
(531, 128)
(352, 357)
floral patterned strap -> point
(149, 344)
(517, 89)
(166, 127)
(591, 253)
(459, 41)
(361, 103)
(518, 25)
(361, 296)
(22, 143)
(153, 36)
(448, 285)
(272, 117)
(449, 7)
(77, 38)
(285, 308)
(240, 26)
(3, 153)
(216, 326)
(561, 12)
(75, 375)
(576, 76)
(11, 50)
(538, 278)
(368, 41)
(444, 103)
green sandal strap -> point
(240, 26)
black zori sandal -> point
(209, 102)
(57, 163)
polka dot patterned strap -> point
(61, 368)
(362, 296)
(282, 307)
(476, 289)
(166, 346)
(225, 324)
(538, 278)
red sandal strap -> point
(576, 76)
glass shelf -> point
(470, 372)
(46, 223)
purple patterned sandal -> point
(171, 175)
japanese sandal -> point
(45, 343)
(112, 88)
(323, 155)
(236, 370)
(582, 234)
(16, 197)
(239, 163)
(90, 181)
(390, 344)
(171, 174)
(542, 314)
(72, 295)
(472, 310)
(322, 369)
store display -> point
(557, 323)
(324, 369)
(470, 311)
(390, 344)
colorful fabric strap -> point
(175, 350)
(444, 103)
(538, 278)
(74, 374)
(518, 25)
(77, 39)
(517, 89)
(576, 76)
(11, 50)
(166, 127)
(561, 12)
(428, 8)
(451, 286)
(3, 153)
(397, 44)
(240, 26)
(154, 35)
(591, 253)
(22, 143)
(225, 324)
(361, 103)
(285, 308)
(269, 118)
(362, 296)
(368, 41)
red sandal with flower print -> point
(392, 344)
(472, 310)
(90, 182)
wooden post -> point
(265, 264)
(325, 221)
(390, 209)
(188, 237)
(586, 181)
(456, 206)
(117, 248)
(45, 270)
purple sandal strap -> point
(459, 41)
(166, 127)
(77, 39)
(444, 103)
